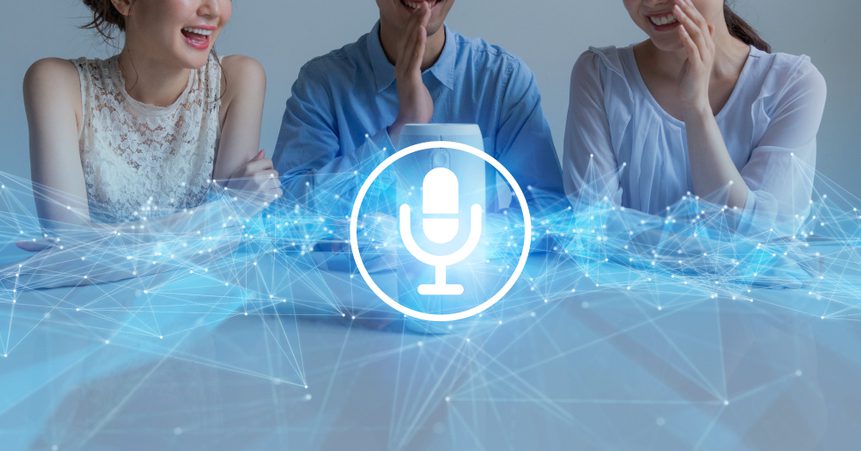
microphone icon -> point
(441, 224)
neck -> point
(392, 40)
(149, 80)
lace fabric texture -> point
(142, 160)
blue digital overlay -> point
(674, 329)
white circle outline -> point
(354, 227)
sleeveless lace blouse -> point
(142, 160)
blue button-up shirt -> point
(342, 104)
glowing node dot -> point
(726, 402)
(798, 373)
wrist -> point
(697, 111)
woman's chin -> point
(195, 61)
(667, 44)
(192, 58)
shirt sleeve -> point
(525, 142)
(308, 156)
(590, 166)
(781, 168)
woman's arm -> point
(243, 91)
(773, 190)
(52, 98)
(590, 168)
(712, 169)
(239, 166)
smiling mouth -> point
(198, 38)
(663, 21)
(416, 5)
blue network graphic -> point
(622, 321)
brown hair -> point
(742, 30)
(105, 18)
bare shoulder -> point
(53, 73)
(242, 75)
(52, 86)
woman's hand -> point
(36, 245)
(256, 182)
(697, 37)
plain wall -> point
(547, 34)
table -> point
(574, 358)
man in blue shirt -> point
(348, 107)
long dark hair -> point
(742, 30)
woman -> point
(700, 107)
(142, 135)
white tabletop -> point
(173, 362)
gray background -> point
(548, 34)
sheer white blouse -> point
(621, 144)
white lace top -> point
(142, 160)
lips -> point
(662, 22)
(198, 38)
(413, 5)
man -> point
(349, 106)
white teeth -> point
(663, 20)
(413, 5)
(199, 31)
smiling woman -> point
(700, 108)
(144, 134)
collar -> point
(384, 71)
